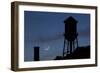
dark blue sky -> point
(46, 29)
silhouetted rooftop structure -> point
(36, 53)
(70, 35)
(79, 53)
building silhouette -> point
(79, 53)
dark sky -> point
(46, 29)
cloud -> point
(84, 33)
(44, 39)
(47, 48)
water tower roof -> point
(70, 19)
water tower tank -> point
(70, 28)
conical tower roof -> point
(70, 20)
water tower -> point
(70, 36)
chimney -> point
(36, 53)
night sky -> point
(46, 29)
